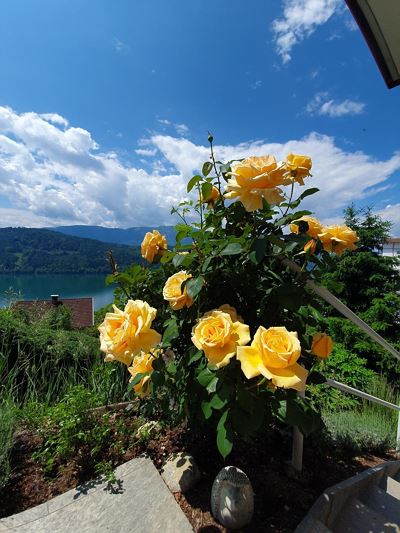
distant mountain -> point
(131, 236)
(43, 251)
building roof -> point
(81, 308)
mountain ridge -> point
(32, 250)
(130, 236)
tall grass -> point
(40, 364)
(7, 423)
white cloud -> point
(256, 85)
(62, 176)
(300, 19)
(321, 104)
(341, 176)
(392, 213)
(181, 129)
(54, 118)
(146, 152)
(119, 46)
(52, 176)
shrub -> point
(347, 368)
(365, 431)
(234, 276)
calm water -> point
(41, 286)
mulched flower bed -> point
(281, 498)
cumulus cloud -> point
(321, 104)
(392, 212)
(53, 175)
(300, 19)
(61, 174)
(341, 176)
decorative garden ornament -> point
(232, 498)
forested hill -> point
(131, 236)
(43, 251)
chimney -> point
(54, 299)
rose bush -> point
(237, 319)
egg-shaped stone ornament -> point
(232, 498)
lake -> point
(41, 286)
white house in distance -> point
(391, 248)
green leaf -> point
(194, 286)
(207, 167)
(308, 192)
(136, 380)
(205, 377)
(232, 248)
(206, 264)
(217, 402)
(207, 410)
(260, 246)
(157, 378)
(206, 189)
(224, 435)
(195, 357)
(193, 181)
(182, 260)
(166, 257)
(212, 385)
(171, 332)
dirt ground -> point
(281, 498)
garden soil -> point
(282, 498)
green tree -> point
(369, 283)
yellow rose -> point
(211, 198)
(299, 167)
(314, 226)
(218, 335)
(273, 353)
(172, 291)
(142, 364)
(154, 245)
(338, 239)
(123, 334)
(322, 345)
(256, 178)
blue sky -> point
(105, 106)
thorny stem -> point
(215, 168)
(290, 199)
(200, 207)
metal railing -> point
(297, 447)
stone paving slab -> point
(142, 503)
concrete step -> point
(358, 518)
(312, 525)
(380, 501)
(391, 486)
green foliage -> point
(70, 425)
(7, 424)
(347, 368)
(372, 231)
(40, 251)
